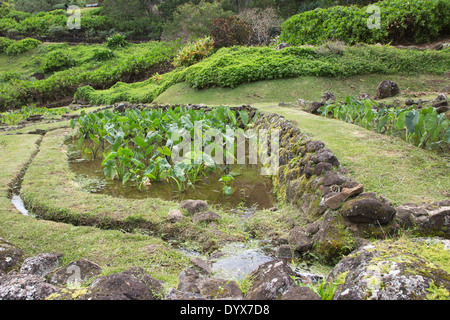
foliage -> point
(230, 32)
(102, 54)
(13, 117)
(133, 61)
(193, 21)
(57, 60)
(21, 46)
(116, 41)
(424, 127)
(140, 145)
(230, 67)
(5, 43)
(417, 20)
(194, 52)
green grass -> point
(52, 193)
(113, 250)
(309, 88)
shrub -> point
(116, 41)
(57, 60)
(57, 31)
(22, 46)
(417, 20)
(194, 52)
(102, 54)
(230, 32)
(5, 43)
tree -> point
(193, 21)
(263, 22)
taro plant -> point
(226, 179)
(139, 145)
(424, 128)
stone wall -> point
(341, 215)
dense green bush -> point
(230, 67)
(5, 43)
(57, 60)
(102, 54)
(416, 20)
(100, 75)
(24, 45)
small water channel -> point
(19, 204)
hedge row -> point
(230, 67)
(413, 20)
(53, 25)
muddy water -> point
(249, 187)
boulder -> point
(299, 293)
(394, 270)
(206, 217)
(334, 239)
(131, 284)
(325, 155)
(221, 289)
(313, 146)
(270, 281)
(194, 286)
(282, 45)
(299, 239)
(11, 257)
(315, 106)
(328, 97)
(25, 287)
(201, 264)
(75, 272)
(42, 264)
(334, 178)
(366, 208)
(175, 216)
(427, 218)
(193, 206)
(386, 89)
(336, 200)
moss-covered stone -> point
(334, 239)
(404, 269)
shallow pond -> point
(249, 187)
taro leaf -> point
(227, 191)
(94, 138)
(244, 117)
(126, 177)
(400, 123)
(447, 136)
(122, 119)
(179, 171)
(411, 120)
